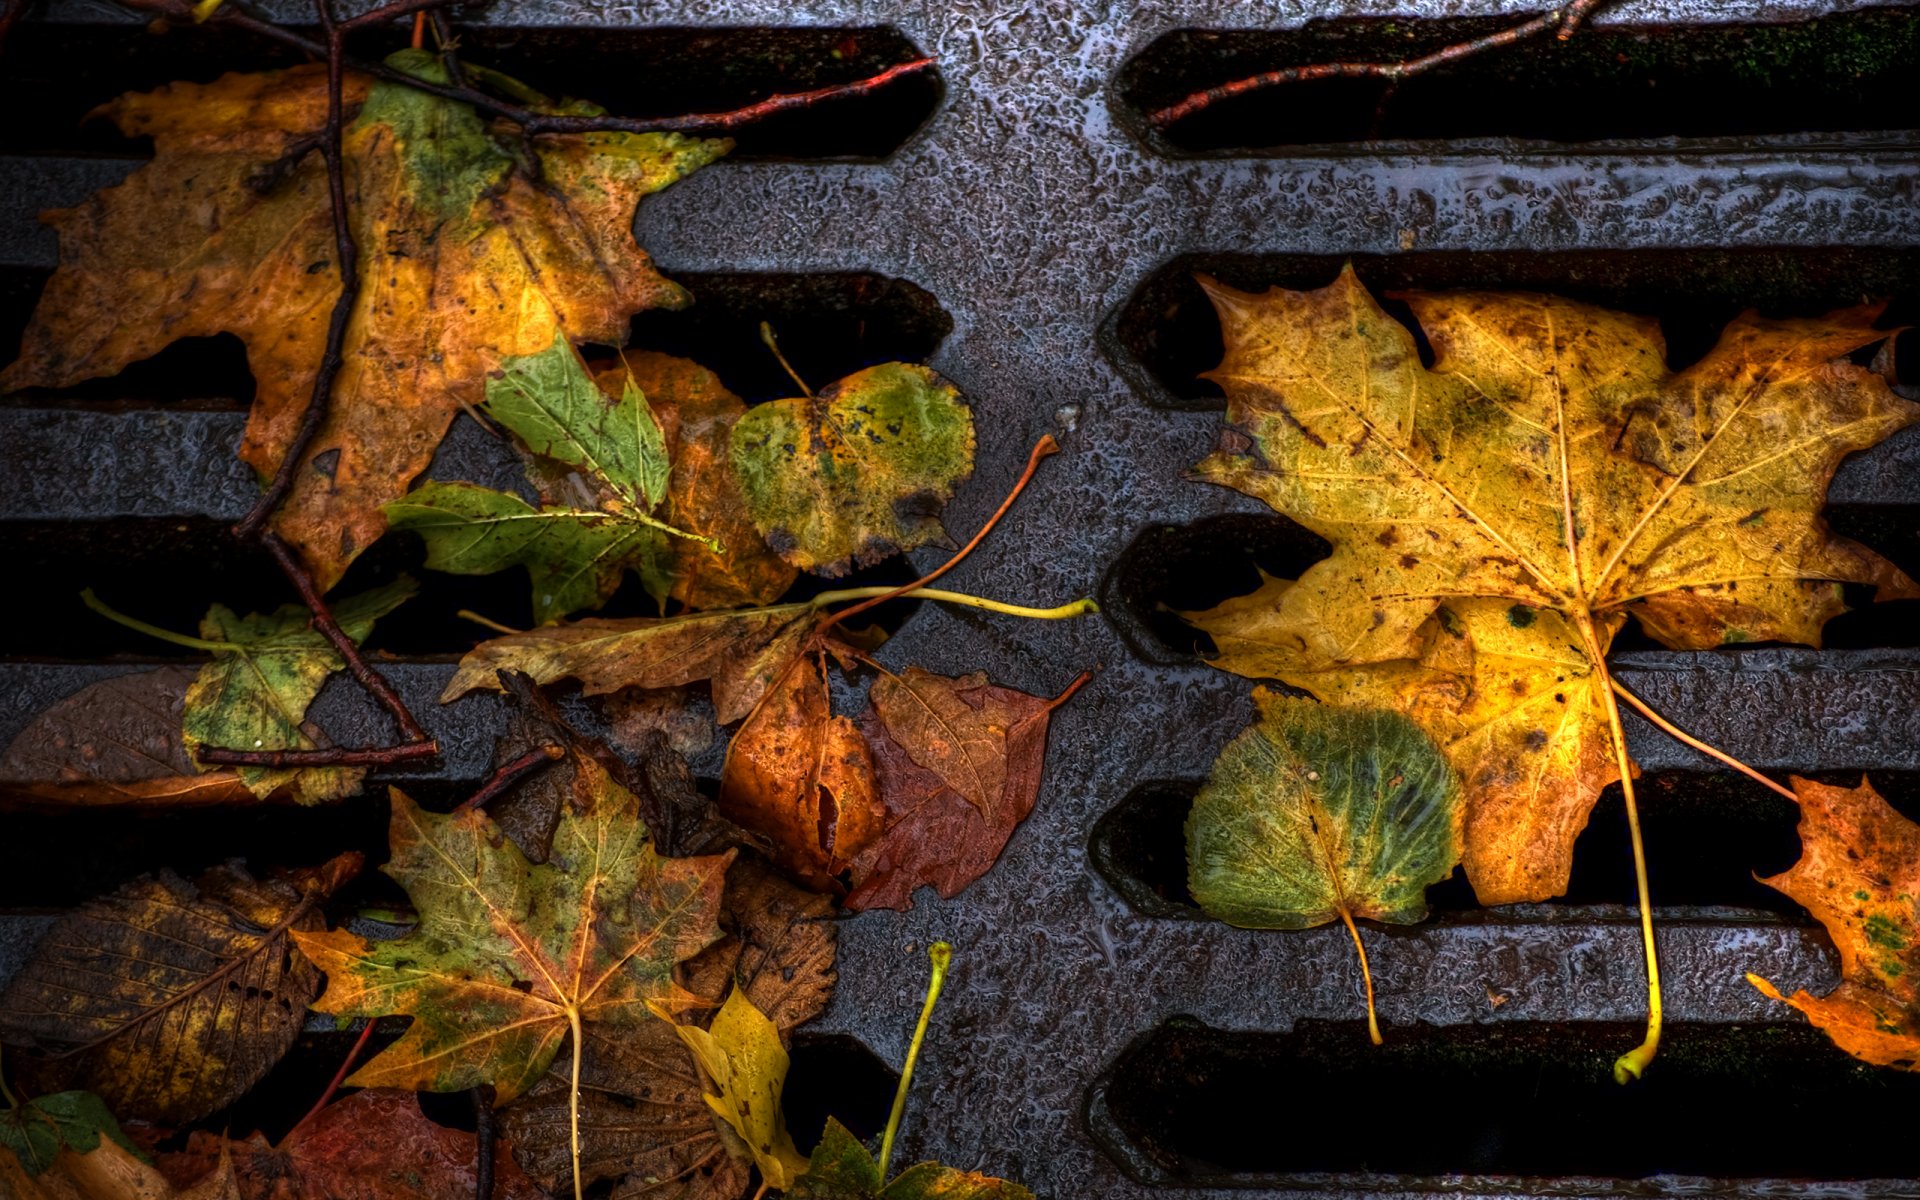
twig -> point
(338, 1077)
(378, 756)
(348, 254)
(364, 675)
(1677, 734)
(531, 121)
(509, 773)
(483, 1140)
(1045, 448)
(1565, 19)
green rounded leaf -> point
(37, 1130)
(1315, 810)
(857, 473)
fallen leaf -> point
(1496, 518)
(265, 671)
(595, 522)
(1859, 875)
(370, 1145)
(703, 497)
(507, 954)
(643, 1114)
(959, 764)
(741, 653)
(116, 742)
(171, 999)
(857, 473)
(742, 1056)
(634, 714)
(1316, 814)
(470, 256)
(843, 1169)
(108, 1171)
(36, 1132)
(802, 776)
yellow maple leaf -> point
(468, 252)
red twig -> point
(338, 1077)
(364, 675)
(1045, 448)
(1565, 19)
(507, 774)
(379, 756)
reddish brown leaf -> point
(372, 1145)
(935, 833)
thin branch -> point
(1679, 735)
(348, 253)
(338, 1077)
(1045, 448)
(379, 756)
(364, 675)
(1563, 21)
(509, 773)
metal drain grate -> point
(1098, 1040)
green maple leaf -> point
(608, 457)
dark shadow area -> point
(61, 72)
(1188, 1102)
(1843, 72)
(835, 1076)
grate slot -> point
(1166, 335)
(61, 71)
(1611, 83)
(1191, 1103)
(1709, 835)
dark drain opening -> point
(1190, 1102)
(1707, 835)
(836, 1076)
(168, 572)
(1848, 71)
(60, 71)
(1166, 335)
(829, 325)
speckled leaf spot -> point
(1859, 874)
(1315, 814)
(857, 473)
(1496, 517)
(471, 256)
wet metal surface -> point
(1031, 213)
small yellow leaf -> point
(742, 1056)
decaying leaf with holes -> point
(507, 955)
(643, 1116)
(470, 256)
(1497, 517)
(171, 999)
(1316, 814)
(116, 742)
(745, 1065)
(602, 465)
(1859, 875)
(703, 497)
(843, 1169)
(266, 670)
(958, 765)
(370, 1145)
(857, 473)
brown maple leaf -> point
(1859, 874)
(1497, 517)
(470, 256)
(371, 1145)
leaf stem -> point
(1677, 734)
(942, 955)
(1366, 976)
(773, 344)
(509, 773)
(154, 631)
(1076, 608)
(1631, 1065)
(339, 1076)
(573, 1096)
(487, 622)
